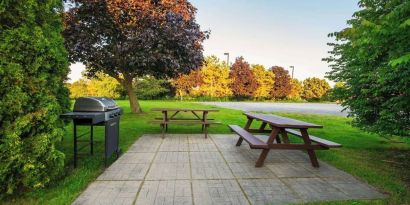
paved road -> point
(311, 108)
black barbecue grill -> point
(96, 111)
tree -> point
(79, 88)
(215, 78)
(127, 39)
(315, 88)
(296, 90)
(187, 84)
(265, 80)
(103, 85)
(33, 68)
(152, 88)
(243, 81)
(282, 87)
(372, 58)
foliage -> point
(282, 86)
(101, 85)
(104, 85)
(79, 88)
(243, 80)
(372, 58)
(151, 88)
(315, 88)
(33, 67)
(215, 78)
(187, 85)
(127, 39)
(265, 80)
(296, 89)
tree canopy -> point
(315, 88)
(372, 58)
(132, 38)
(243, 81)
(215, 78)
(33, 67)
(282, 86)
(265, 80)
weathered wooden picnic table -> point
(199, 116)
(283, 126)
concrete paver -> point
(189, 169)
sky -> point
(270, 32)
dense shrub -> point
(372, 58)
(33, 67)
(149, 88)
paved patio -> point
(189, 169)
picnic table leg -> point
(166, 119)
(284, 136)
(248, 124)
(262, 127)
(278, 140)
(206, 131)
(204, 119)
(265, 152)
(163, 130)
(311, 152)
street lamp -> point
(227, 58)
(293, 68)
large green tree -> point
(33, 68)
(372, 58)
(127, 39)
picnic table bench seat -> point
(254, 142)
(320, 141)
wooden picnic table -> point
(283, 126)
(199, 116)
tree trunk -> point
(134, 104)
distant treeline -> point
(215, 80)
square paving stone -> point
(165, 192)
(206, 147)
(325, 171)
(109, 192)
(295, 156)
(206, 157)
(146, 144)
(124, 172)
(249, 171)
(199, 139)
(268, 191)
(355, 189)
(211, 170)
(315, 189)
(238, 155)
(135, 158)
(289, 170)
(174, 143)
(217, 192)
(174, 157)
(164, 171)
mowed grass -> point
(381, 162)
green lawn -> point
(382, 162)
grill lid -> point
(94, 104)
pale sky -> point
(270, 32)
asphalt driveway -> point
(310, 108)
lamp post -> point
(293, 68)
(227, 58)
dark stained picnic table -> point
(199, 116)
(280, 126)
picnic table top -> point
(184, 109)
(281, 122)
